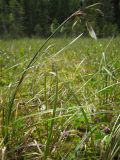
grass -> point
(68, 105)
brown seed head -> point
(79, 13)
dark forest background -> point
(27, 18)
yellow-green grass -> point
(67, 103)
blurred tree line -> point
(41, 17)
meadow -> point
(68, 104)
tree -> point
(116, 4)
(35, 17)
(16, 13)
(4, 17)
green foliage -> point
(38, 30)
(110, 29)
(40, 17)
(54, 25)
(15, 18)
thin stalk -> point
(82, 110)
(83, 113)
(45, 93)
(53, 119)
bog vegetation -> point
(60, 96)
(68, 104)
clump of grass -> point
(8, 113)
